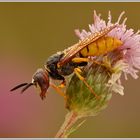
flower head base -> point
(79, 97)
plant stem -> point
(70, 120)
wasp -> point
(71, 60)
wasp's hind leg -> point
(80, 60)
(78, 72)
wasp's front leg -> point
(63, 84)
(58, 90)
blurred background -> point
(29, 34)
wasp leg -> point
(107, 63)
(77, 71)
(57, 89)
(63, 84)
(79, 60)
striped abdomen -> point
(101, 46)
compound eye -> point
(41, 80)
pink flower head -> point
(131, 41)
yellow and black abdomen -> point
(101, 46)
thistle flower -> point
(103, 77)
(131, 41)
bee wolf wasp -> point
(71, 60)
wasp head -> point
(40, 80)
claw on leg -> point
(77, 72)
(63, 84)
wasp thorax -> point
(41, 80)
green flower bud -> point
(79, 97)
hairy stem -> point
(70, 119)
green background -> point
(29, 34)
